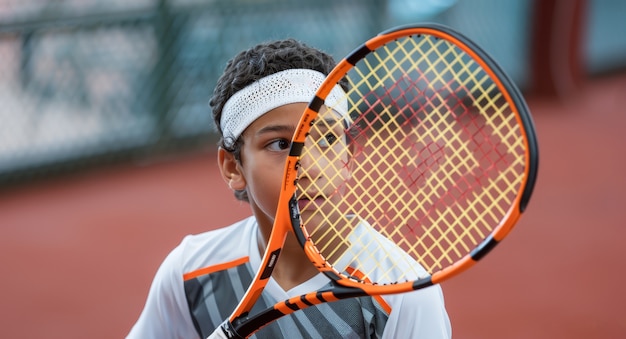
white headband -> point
(275, 90)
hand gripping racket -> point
(412, 176)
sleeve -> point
(166, 313)
(418, 314)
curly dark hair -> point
(258, 62)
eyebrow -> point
(332, 123)
(276, 128)
(289, 128)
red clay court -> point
(79, 253)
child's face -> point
(266, 146)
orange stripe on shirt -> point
(215, 268)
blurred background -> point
(107, 152)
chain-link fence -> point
(91, 81)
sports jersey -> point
(202, 280)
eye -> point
(278, 145)
(327, 140)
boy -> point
(256, 105)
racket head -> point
(431, 166)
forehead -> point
(285, 116)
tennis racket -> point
(430, 168)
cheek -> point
(269, 188)
(263, 186)
(344, 160)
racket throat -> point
(337, 292)
(271, 263)
(294, 211)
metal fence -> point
(86, 82)
(111, 80)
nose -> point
(311, 164)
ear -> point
(231, 170)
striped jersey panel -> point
(212, 297)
